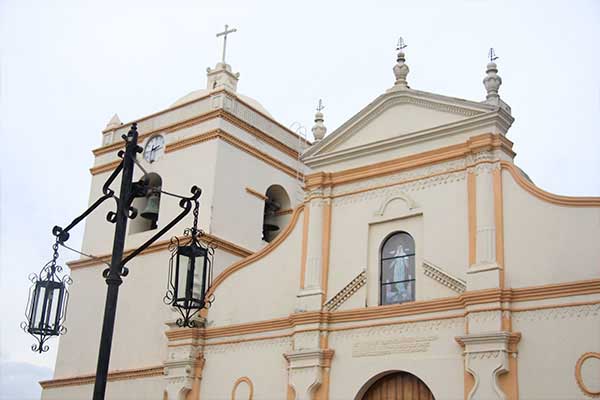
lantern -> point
(47, 303)
(190, 274)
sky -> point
(67, 66)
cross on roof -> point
(320, 106)
(224, 34)
(401, 44)
(492, 55)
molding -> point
(547, 196)
(410, 203)
(210, 135)
(220, 243)
(220, 113)
(256, 194)
(579, 378)
(390, 99)
(237, 383)
(499, 223)
(484, 142)
(347, 291)
(444, 278)
(117, 375)
(259, 254)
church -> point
(403, 256)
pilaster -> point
(487, 356)
(184, 363)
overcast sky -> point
(68, 66)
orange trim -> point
(221, 244)
(259, 254)
(304, 246)
(325, 249)
(291, 393)
(547, 196)
(248, 382)
(88, 379)
(284, 211)
(469, 381)
(472, 215)
(499, 222)
(256, 194)
(166, 129)
(210, 135)
(475, 144)
(579, 378)
(194, 394)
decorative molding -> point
(547, 196)
(410, 203)
(220, 243)
(441, 276)
(118, 375)
(259, 254)
(211, 135)
(347, 291)
(246, 380)
(557, 313)
(579, 378)
(256, 194)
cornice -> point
(211, 135)
(118, 375)
(483, 142)
(475, 122)
(219, 113)
(220, 243)
(547, 196)
(385, 101)
(457, 303)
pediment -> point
(397, 114)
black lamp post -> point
(46, 308)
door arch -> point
(395, 385)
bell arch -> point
(395, 385)
(277, 212)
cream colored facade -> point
(507, 277)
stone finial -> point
(492, 81)
(221, 77)
(319, 130)
(114, 122)
(401, 70)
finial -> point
(401, 69)
(492, 81)
(319, 130)
(114, 122)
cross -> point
(492, 55)
(224, 34)
(320, 106)
(401, 45)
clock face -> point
(155, 147)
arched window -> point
(276, 212)
(398, 269)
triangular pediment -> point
(397, 114)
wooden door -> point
(398, 386)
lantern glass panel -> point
(38, 305)
(191, 262)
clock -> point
(155, 147)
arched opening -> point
(148, 206)
(277, 212)
(395, 385)
(397, 272)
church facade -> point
(402, 256)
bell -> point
(151, 210)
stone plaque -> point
(381, 347)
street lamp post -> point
(46, 308)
